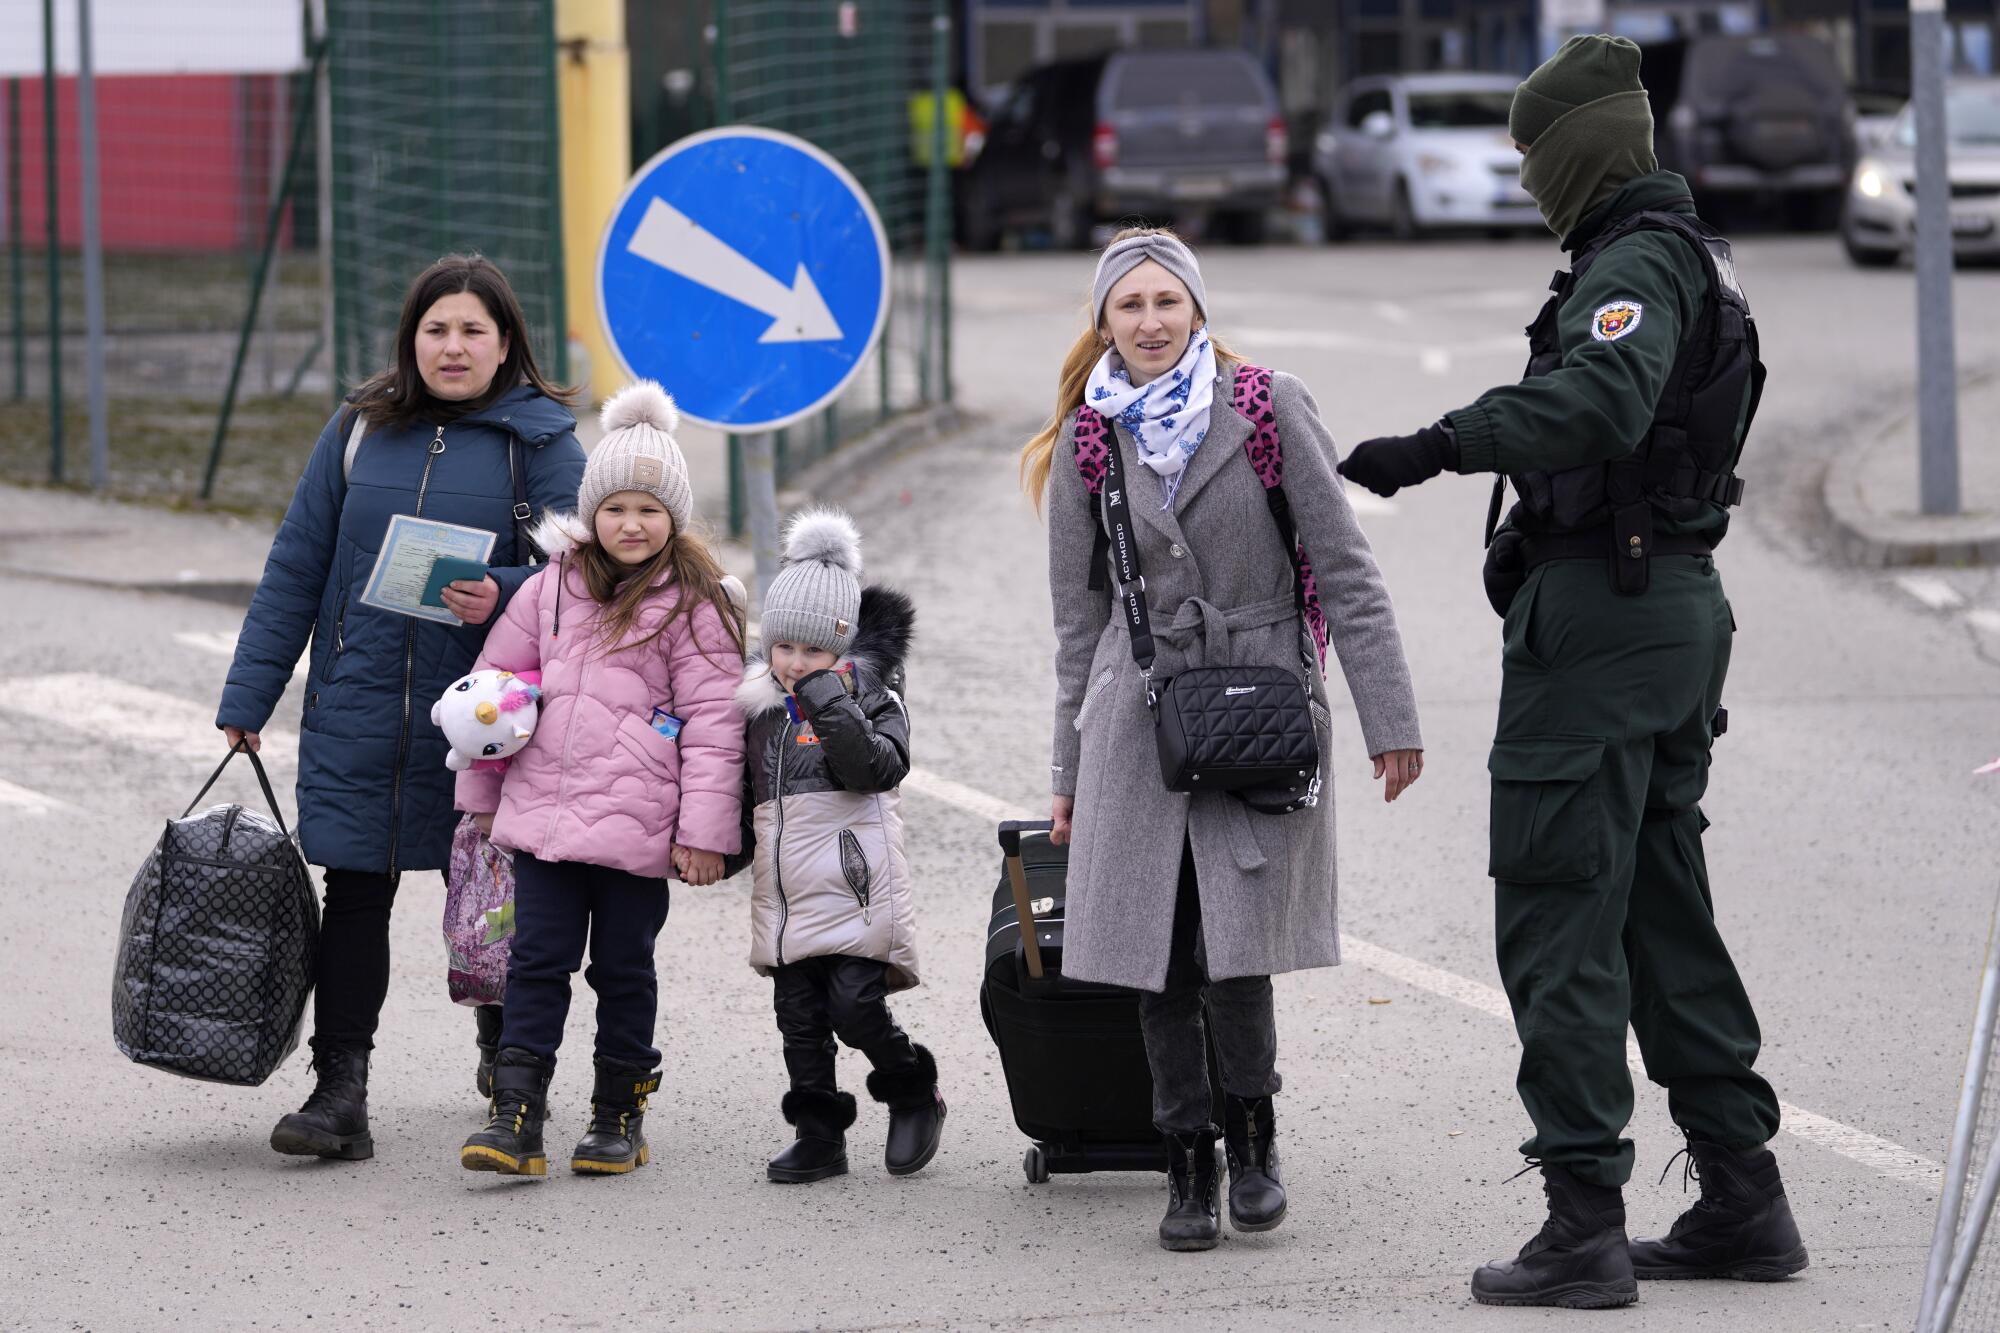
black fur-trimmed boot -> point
(1190, 1223)
(916, 1113)
(820, 1150)
(1741, 1227)
(616, 1141)
(511, 1143)
(1256, 1194)
(334, 1120)
(1577, 1260)
(487, 1017)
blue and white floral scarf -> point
(1168, 416)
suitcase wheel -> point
(1035, 1165)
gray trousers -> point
(1240, 1010)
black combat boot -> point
(1256, 1195)
(820, 1150)
(1190, 1223)
(1577, 1260)
(511, 1143)
(487, 1017)
(616, 1142)
(916, 1113)
(334, 1120)
(1741, 1227)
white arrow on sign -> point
(677, 243)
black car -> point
(1760, 117)
(1148, 134)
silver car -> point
(1880, 219)
(1413, 152)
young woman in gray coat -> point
(1193, 898)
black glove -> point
(1388, 463)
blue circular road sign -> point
(748, 273)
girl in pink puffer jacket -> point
(635, 771)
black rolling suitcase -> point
(1071, 1051)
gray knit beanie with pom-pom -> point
(816, 597)
(638, 453)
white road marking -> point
(217, 642)
(1984, 619)
(121, 713)
(973, 802)
(1932, 592)
(1887, 1159)
(1877, 1154)
(1435, 361)
(20, 798)
(1391, 313)
(1364, 501)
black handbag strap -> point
(1116, 503)
(1131, 589)
(270, 797)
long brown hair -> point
(622, 590)
(1038, 454)
(397, 396)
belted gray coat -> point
(1219, 590)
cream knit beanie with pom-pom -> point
(638, 453)
(816, 598)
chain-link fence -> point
(195, 107)
(229, 327)
(444, 140)
(855, 79)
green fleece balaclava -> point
(1588, 128)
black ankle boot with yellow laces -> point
(616, 1142)
(511, 1143)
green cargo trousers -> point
(1602, 907)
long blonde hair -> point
(1038, 454)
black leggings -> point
(351, 976)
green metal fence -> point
(848, 78)
(444, 140)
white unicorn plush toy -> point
(488, 716)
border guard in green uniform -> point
(1621, 444)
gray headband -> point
(1123, 256)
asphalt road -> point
(1852, 857)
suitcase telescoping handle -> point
(1011, 833)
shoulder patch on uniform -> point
(1614, 321)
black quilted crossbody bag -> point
(1247, 730)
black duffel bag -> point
(215, 953)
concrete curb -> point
(845, 466)
(1874, 540)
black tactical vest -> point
(1687, 457)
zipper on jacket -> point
(409, 676)
(778, 840)
(340, 628)
(851, 844)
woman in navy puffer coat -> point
(442, 431)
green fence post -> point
(50, 202)
(19, 326)
(301, 120)
(937, 226)
(559, 279)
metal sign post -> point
(1937, 359)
